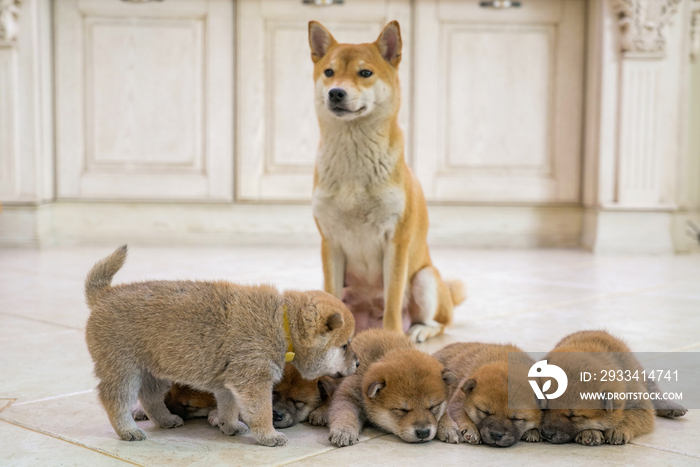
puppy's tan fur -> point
(367, 203)
(294, 400)
(212, 336)
(397, 388)
(596, 422)
(480, 408)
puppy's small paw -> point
(471, 436)
(319, 417)
(532, 436)
(233, 429)
(590, 438)
(343, 437)
(617, 436)
(213, 418)
(139, 414)
(274, 439)
(135, 434)
(172, 421)
(448, 432)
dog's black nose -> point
(336, 95)
(496, 435)
(422, 433)
(548, 433)
(277, 416)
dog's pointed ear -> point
(389, 43)
(468, 386)
(335, 321)
(448, 377)
(326, 387)
(320, 40)
(374, 389)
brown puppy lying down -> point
(480, 406)
(294, 400)
(595, 422)
(397, 388)
(235, 339)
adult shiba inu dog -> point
(598, 421)
(397, 388)
(368, 205)
(227, 339)
(481, 409)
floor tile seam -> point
(663, 449)
(566, 303)
(11, 401)
(69, 441)
(330, 449)
(49, 398)
(30, 318)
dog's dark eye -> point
(275, 395)
(517, 419)
(400, 412)
(328, 72)
(299, 405)
(484, 413)
(365, 73)
(345, 348)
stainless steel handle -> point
(500, 4)
(322, 2)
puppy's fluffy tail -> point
(100, 276)
(458, 291)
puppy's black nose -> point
(496, 435)
(422, 433)
(547, 433)
(277, 416)
(336, 95)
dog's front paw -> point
(139, 414)
(171, 421)
(471, 436)
(134, 434)
(448, 432)
(273, 439)
(213, 418)
(590, 438)
(343, 437)
(617, 436)
(422, 332)
(532, 436)
(233, 429)
(319, 417)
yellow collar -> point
(289, 356)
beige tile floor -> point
(49, 414)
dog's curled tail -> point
(458, 291)
(100, 276)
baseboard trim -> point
(73, 223)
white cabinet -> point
(144, 99)
(498, 100)
(277, 130)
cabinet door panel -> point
(276, 120)
(144, 99)
(498, 101)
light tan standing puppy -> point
(218, 337)
(368, 205)
(480, 408)
(397, 388)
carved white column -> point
(634, 136)
(9, 115)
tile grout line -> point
(331, 449)
(28, 318)
(86, 391)
(659, 448)
(80, 445)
